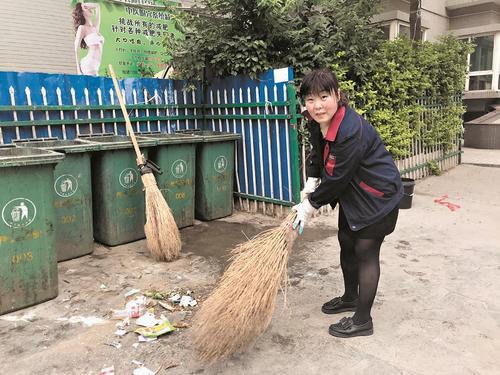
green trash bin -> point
(214, 175)
(117, 191)
(28, 265)
(72, 193)
(175, 154)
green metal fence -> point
(424, 158)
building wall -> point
(403, 5)
(36, 36)
(478, 16)
(434, 18)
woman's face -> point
(322, 106)
(87, 13)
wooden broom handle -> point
(140, 157)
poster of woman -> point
(87, 21)
(128, 34)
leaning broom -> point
(242, 305)
(162, 235)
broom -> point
(162, 235)
(242, 305)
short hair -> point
(320, 80)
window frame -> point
(495, 63)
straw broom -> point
(162, 235)
(242, 305)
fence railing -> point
(38, 106)
(421, 157)
(263, 111)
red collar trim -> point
(335, 124)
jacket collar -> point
(331, 134)
(335, 124)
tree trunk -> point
(415, 20)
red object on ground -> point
(451, 206)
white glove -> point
(310, 186)
(304, 212)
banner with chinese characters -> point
(125, 33)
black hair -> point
(321, 80)
(79, 19)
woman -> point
(88, 37)
(349, 165)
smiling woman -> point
(349, 165)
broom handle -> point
(140, 157)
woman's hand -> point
(90, 5)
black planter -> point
(408, 186)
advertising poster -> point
(125, 33)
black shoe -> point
(337, 305)
(346, 328)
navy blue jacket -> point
(355, 168)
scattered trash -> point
(136, 307)
(120, 314)
(186, 301)
(175, 298)
(108, 371)
(103, 286)
(166, 306)
(141, 338)
(142, 308)
(155, 294)
(132, 292)
(115, 344)
(156, 331)
(123, 323)
(137, 363)
(147, 320)
(88, 321)
(170, 365)
(181, 325)
(121, 332)
(143, 371)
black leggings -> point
(359, 259)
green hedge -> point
(402, 75)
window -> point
(396, 29)
(480, 82)
(386, 29)
(483, 75)
(404, 31)
(482, 57)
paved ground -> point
(437, 310)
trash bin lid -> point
(24, 156)
(114, 142)
(62, 145)
(212, 136)
(175, 138)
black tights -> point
(359, 259)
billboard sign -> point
(125, 33)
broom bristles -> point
(242, 305)
(162, 235)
